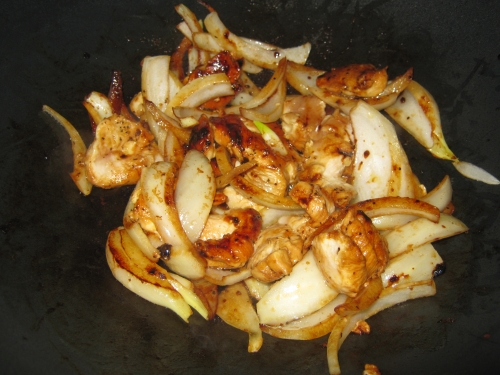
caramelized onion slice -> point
(226, 277)
(158, 191)
(299, 294)
(310, 327)
(398, 205)
(139, 281)
(236, 309)
(262, 197)
(421, 231)
(79, 174)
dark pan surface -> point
(62, 312)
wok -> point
(61, 310)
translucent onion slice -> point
(79, 174)
(201, 90)
(256, 288)
(158, 192)
(372, 170)
(194, 193)
(422, 231)
(98, 106)
(167, 122)
(388, 298)
(262, 197)
(136, 279)
(254, 53)
(318, 324)
(155, 80)
(440, 197)
(475, 173)
(398, 205)
(226, 277)
(418, 264)
(269, 111)
(266, 93)
(159, 274)
(135, 230)
(236, 309)
(299, 294)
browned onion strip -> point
(223, 160)
(167, 122)
(262, 197)
(364, 299)
(226, 178)
(398, 205)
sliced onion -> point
(418, 264)
(79, 174)
(139, 281)
(236, 309)
(318, 324)
(158, 191)
(269, 111)
(256, 288)
(194, 193)
(98, 106)
(388, 298)
(264, 95)
(201, 90)
(475, 173)
(297, 295)
(167, 122)
(206, 42)
(373, 163)
(155, 80)
(262, 197)
(422, 231)
(398, 205)
(240, 48)
(227, 277)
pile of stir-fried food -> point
(294, 215)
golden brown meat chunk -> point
(349, 251)
(277, 250)
(362, 80)
(119, 152)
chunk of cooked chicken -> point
(119, 152)
(349, 250)
(362, 80)
(277, 250)
(233, 249)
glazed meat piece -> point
(232, 250)
(362, 80)
(349, 251)
(119, 152)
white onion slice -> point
(161, 294)
(201, 90)
(475, 173)
(194, 193)
(294, 296)
(413, 266)
(155, 80)
(421, 231)
(226, 277)
(98, 106)
(158, 191)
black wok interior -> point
(61, 310)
